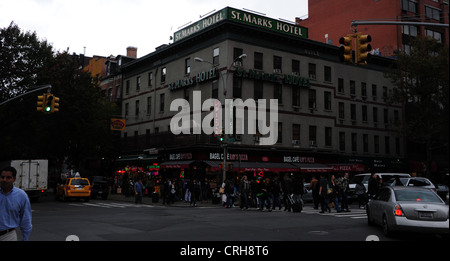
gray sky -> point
(107, 27)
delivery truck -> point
(32, 176)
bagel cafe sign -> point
(242, 17)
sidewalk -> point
(148, 201)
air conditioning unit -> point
(295, 142)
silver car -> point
(403, 208)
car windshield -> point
(416, 195)
(79, 182)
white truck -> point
(32, 176)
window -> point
(385, 93)
(374, 90)
(149, 105)
(341, 85)
(363, 89)
(312, 71)
(163, 74)
(354, 142)
(375, 114)
(215, 90)
(313, 134)
(277, 64)
(138, 83)
(409, 30)
(137, 108)
(311, 99)
(278, 92)
(385, 116)
(237, 87)
(127, 109)
(258, 89)
(161, 102)
(387, 145)
(296, 67)
(216, 53)
(376, 144)
(353, 112)
(150, 78)
(365, 143)
(327, 73)
(327, 100)
(280, 132)
(341, 110)
(187, 66)
(342, 141)
(328, 136)
(295, 96)
(434, 34)
(352, 88)
(127, 87)
(432, 13)
(236, 53)
(364, 113)
(409, 6)
(258, 63)
(295, 131)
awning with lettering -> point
(253, 166)
(312, 167)
(344, 167)
(176, 164)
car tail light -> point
(398, 211)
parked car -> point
(442, 191)
(402, 208)
(365, 177)
(74, 188)
(412, 182)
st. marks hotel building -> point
(333, 117)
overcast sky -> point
(108, 27)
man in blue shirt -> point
(15, 208)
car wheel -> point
(385, 226)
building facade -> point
(331, 116)
(330, 20)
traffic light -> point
(220, 135)
(41, 101)
(362, 48)
(49, 103)
(55, 104)
(345, 50)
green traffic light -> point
(48, 109)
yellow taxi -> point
(74, 188)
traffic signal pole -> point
(48, 87)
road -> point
(111, 220)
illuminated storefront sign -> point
(242, 17)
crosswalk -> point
(110, 205)
(355, 213)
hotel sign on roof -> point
(243, 17)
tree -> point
(422, 86)
(22, 58)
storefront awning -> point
(312, 167)
(348, 167)
(184, 164)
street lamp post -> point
(224, 83)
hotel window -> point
(327, 100)
(342, 141)
(277, 64)
(328, 136)
(187, 66)
(327, 73)
(216, 53)
(278, 92)
(163, 74)
(237, 87)
(295, 96)
(161, 102)
(258, 63)
(215, 89)
(312, 71)
(296, 67)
